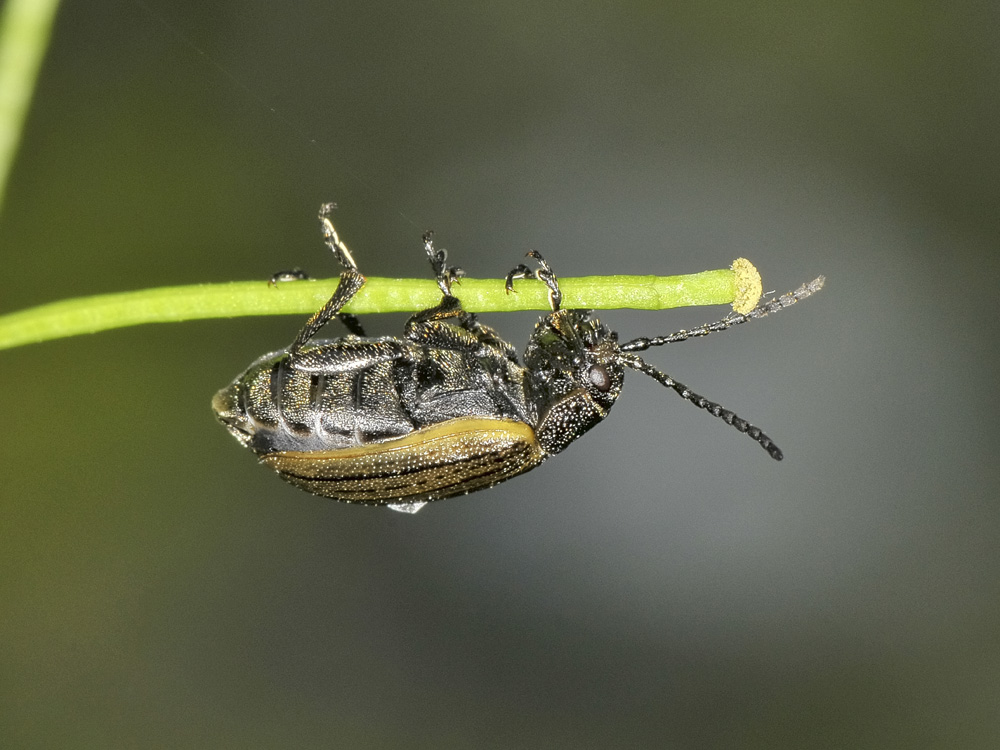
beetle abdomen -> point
(438, 461)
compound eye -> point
(600, 378)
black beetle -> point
(445, 409)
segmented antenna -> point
(763, 309)
(716, 410)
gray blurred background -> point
(661, 584)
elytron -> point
(446, 408)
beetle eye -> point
(599, 378)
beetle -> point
(446, 408)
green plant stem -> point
(234, 299)
(25, 27)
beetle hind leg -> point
(543, 273)
(350, 284)
(332, 239)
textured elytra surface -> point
(447, 459)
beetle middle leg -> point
(448, 325)
(350, 284)
(543, 273)
(443, 273)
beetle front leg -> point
(544, 273)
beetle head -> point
(569, 350)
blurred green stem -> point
(25, 26)
(741, 287)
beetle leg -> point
(445, 326)
(443, 273)
(351, 356)
(351, 322)
(543, 273)
(351, 282)
(448, 326)
(333, 241)
(491, 339)
(295, 274)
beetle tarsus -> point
(332, 239)
(443, 273)
(543, 273)
(294, 274)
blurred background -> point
(661, 584)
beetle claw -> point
(543, 273)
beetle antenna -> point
(763, 309)
(716, 410)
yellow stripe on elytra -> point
(450, 430)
